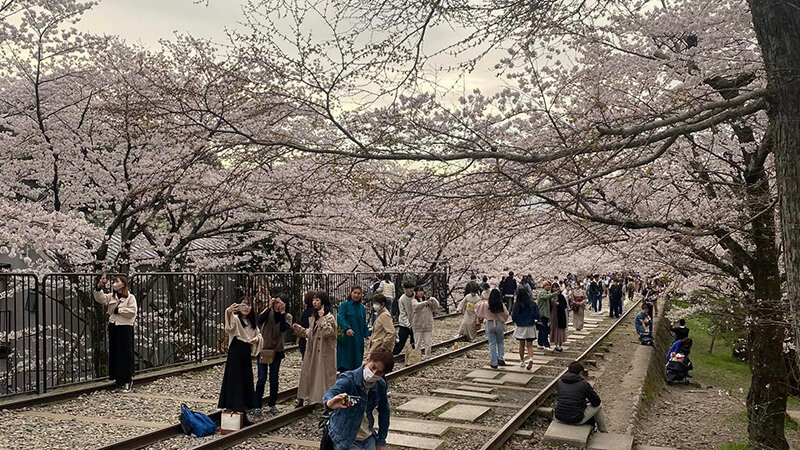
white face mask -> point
(117, 286)
(369, 376)
(376, 307)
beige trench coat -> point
(318, 372)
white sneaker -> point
(522, 363)
(529, 365)
(539, 345)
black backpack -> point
(646, 339)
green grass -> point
(718, 369)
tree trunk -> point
(766, 400)
(777, 26)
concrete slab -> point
(576, 435)
(429, 427)
(610, 441)
(518, 369)
(482, 373)
(794, 414)
(423, 405)
(464, 413)
(468, 394)
(488, 381)
(651, 447)
(485, 390)
(581, 333)
(515, 358)
(517, 378)
(408, 441)
(576, 337)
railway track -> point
(455, 392)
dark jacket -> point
(525, 315)
(509, 286)
(680, 332)
(307, 313)
(344, 423)
(615, 292)
(594, 288)
(561, 311)
(272, 325)
(573, 393)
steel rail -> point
(234, 438)
(502, 436)
(143, 440)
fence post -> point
(43, 387)
(197, 318)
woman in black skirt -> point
(122, 308)
(237, 393)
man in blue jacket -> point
(352, 424)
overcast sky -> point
(145, 22)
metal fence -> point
(54, 334)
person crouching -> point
(576, 401)
(353, 399)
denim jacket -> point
(344, 423)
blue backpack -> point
(196, 423)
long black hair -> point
(495, 301)
(523, 297)
(250, 319)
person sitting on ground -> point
(352, 425)
(643, 323)
(681, 331)
(678, 362)
(684, 346)
(576, 401)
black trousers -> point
(403, 334)
(120, 353)
(327, 442)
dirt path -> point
(619, 376)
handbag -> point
(230, 421)
(267, 356)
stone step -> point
(429, 427)
(517, 378)
(489, 381)
(545, 412)
(514, 357)
(485, 390)
(576, 435)
(610, 441)
(408, 441)
(464, 413)
(468, 394)
(488, 373)
(517, 369)
(423, 405)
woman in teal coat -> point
(352, 319)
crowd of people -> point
(333, 343)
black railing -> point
(54, 334)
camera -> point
(350, 401)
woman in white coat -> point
(121, 307)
